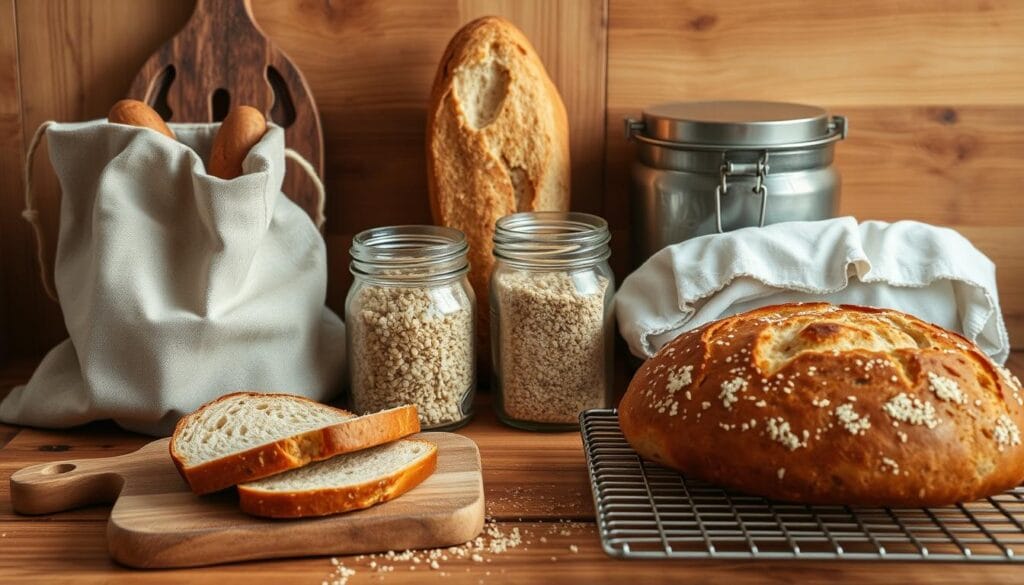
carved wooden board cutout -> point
(222, 58)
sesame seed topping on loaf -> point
(818, 403)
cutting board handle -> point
(64, 485)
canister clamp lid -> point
(736, 125)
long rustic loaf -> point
(836, 405)
(343, 483)
(246, 436)
(497, 139)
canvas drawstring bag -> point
(176, 286)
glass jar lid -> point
(409, 254)
(739, 125)
(554, 240)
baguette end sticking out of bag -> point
(243, 127)
(343, 483)
(247, 436)
(136, 113)
(497, 138)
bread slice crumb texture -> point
(353, 469)
(345, 483)
(241, 422)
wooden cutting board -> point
(156, 522)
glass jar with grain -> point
(409, 318)
(551, 318)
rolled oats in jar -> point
(551, 318)
(409, 318)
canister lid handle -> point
(837, 129)
(633, 127)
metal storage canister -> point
(707, 167)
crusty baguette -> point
(136, 113)
(822, 404)
(316, 432)
(243, 127)
(497, 140)
(343, 483)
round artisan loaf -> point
(827, 404)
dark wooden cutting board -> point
(221, 58)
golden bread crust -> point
(321, 502)
(479, 171)
(295, 451)
(827, 404)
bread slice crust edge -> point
(325, 501)
(295, 451)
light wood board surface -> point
(157, 522)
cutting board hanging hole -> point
(220, 104)
(283, 110)
(162, 86)
(182, 78)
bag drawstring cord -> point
(318, 213)
(31, 214)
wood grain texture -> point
(66, 552)
(71, 546)
(11, 158)
(371, 65)
(518, 486)
(221, 49)
(156, 521)
(935, 52)
(932, 90)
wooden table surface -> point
(536, 483)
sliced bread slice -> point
(246, 436)
(343, 483)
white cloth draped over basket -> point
(931, 272)
(176, 286)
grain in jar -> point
(409, 317)
(551, 303)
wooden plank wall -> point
(934, 90)
(370, 66)
(10, 139)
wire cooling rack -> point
(647, 511)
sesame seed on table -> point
(540, 525)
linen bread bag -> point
(177, 286)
